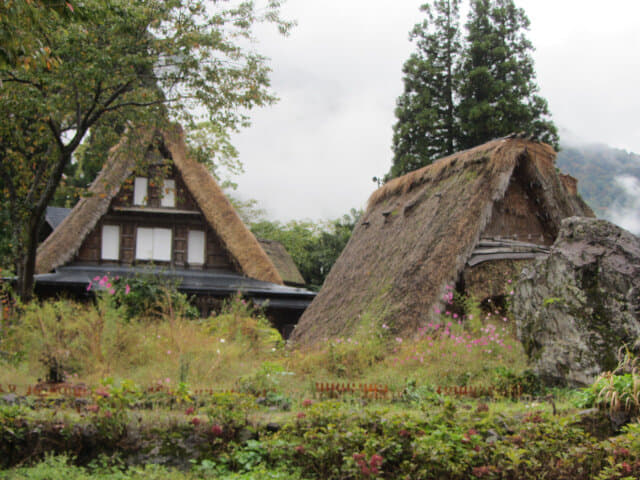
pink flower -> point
(398, 339)
(112, 291)
(89, 286)
(96, 279)
(127, 289)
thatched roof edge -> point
(220, 214)
(417, 234)
(65, 241)
(283, 261)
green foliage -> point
(498, 91)
(427, 127)
(267, 378)
(61, 335)
(528, 382)
(240, 322)
(314, 247)
(230, 410)
(148, 295)
(146, 62)
(461, 94)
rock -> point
(577, 307)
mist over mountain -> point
(608, 180)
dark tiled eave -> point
(206, 282)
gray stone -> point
(577, 307)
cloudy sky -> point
(338, 74)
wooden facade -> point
(181, 218)
(518, 232)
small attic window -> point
(168, 194)
(153, 244)
(110, 242)
(140, 191)
(195, 247)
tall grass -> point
(238, 349)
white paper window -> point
(140, 191)
(195, 247)
(153, 244)
(110, 242)
(168, 198)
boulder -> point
(577, 307)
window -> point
(168, 194)
(153, 244)
(195, 247)
(110, 242)
(140, 191)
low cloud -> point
(626, 210)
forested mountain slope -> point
(608, 180)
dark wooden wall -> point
(519, 215)
(183, 217)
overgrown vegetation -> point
(224, 397)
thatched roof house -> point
(153, 208)
(281, 259)
(472, 219)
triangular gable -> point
(63, 244)
(417, 235)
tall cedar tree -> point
(498, 91)
(427, 127)
(143, 60)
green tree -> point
(498, 91)
(22, 27)
(148, 61)
(314, 247)
(427, 126)
(461, 94)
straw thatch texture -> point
(220, 214)
(65, 241)
(417, 234)
(61, 246)
(283, 262)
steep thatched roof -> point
(61, 246)
(283, 261)
(418, 232)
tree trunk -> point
(27, 261)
